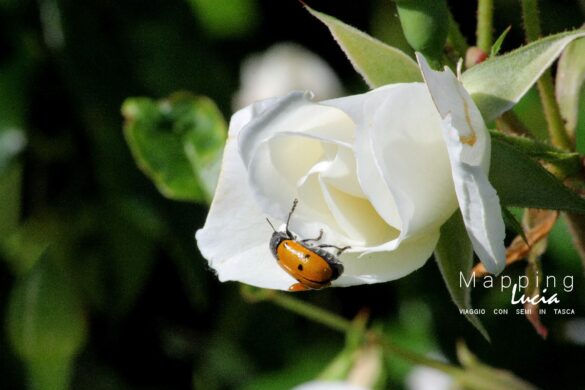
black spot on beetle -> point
(300, 267)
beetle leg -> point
(339, 250)
(292, 210)
(314, 239)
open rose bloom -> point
(380, 172)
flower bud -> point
(474, 56)
(425, 24)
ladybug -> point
(312, 266)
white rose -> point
(380, 172)
(282, 68)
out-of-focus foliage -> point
(227, 18)
(178, 143)
(46, 324)
(101, 283)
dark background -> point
(157, 316)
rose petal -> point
(401, 164)
(368, 171)
(265, 138)
(379, 267)
(235, 236)
(357, 218)
(412, 157)
(468, 144)
(341, 173)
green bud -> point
(425, 24)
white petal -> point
(341, 173)
(408, 146)
(235, 236)
(368, 172)
(479, 204)
(379, 267)
(280, 145)
(468, 144)
(357, 218)
(402, 160)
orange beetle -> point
(312, 266)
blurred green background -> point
(97, 266)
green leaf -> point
(454, 255)
(46, 324)
(498, 83)
(522, 182)
(498, 43)
(567, 163)
(513, 224)
(569, 82)
(178, 143)
(378, 63)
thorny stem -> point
(416, 358)
(342, 325)
(556, 127)
(531, 19)
(311, 312)
(307, 310)
(509, 123)
(484, 32)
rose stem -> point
(484, 32)
(552, 113)
(343, 325)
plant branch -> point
(531, 19)
(311, 312)
(556, 126)
(484, 32)
(340, 324)
(415, 358)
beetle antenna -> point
(294, 206)
(270, 223)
